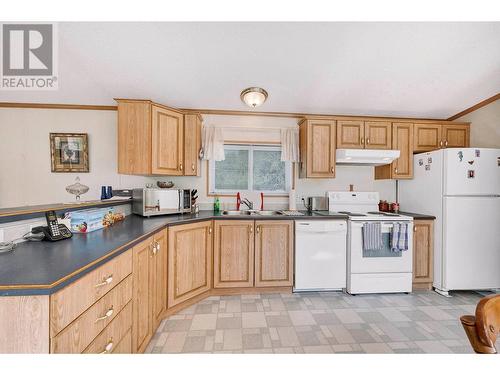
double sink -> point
(250, 213)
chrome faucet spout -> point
(247, 203)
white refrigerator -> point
(461, 187)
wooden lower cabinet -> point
(274, 246)
(142, 328)
(149, 289)
(189, 261)
(159, 282)
(423, 254)
(233, 253)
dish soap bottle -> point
(217, 205)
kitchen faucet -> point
(247, 203)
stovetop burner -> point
(351, 213)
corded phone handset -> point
(53, 231)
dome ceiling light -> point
(253, 96)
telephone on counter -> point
(53, 231)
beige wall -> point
(26, 179)
(25, 176)
(485, 126)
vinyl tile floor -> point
(421, 322)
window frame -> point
(251, 148)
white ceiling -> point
(431, 70)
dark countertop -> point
(418, 216)
(45, 267)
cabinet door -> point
(423, 257)
(192, 144)
(134, 137)
(320, 148)
(378, 135)
(273, 253)
(142, 327)
(159, 270)
(456, 135)
(233, 253)
(402, 137)
(167, 142)
(427, 137)
(350, 134)
(189, 261)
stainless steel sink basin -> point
(249, 212)
(266, 213)
(236, 213)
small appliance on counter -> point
(155, 201)
(317, 203)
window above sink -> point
(250, 168)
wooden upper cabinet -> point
(427, 137)
(423, 255)
(168, 139)
(142, 327)
(378, 135)
(154, 140)
(189, 261)
(274, 244)
(456, 135)
(192, 144)
(233, 253)
(317, 148)
(350, 134)
(402, 167)
(134, 137)
(159, 284)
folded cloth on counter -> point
(399, 240)
(372, 236)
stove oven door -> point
(379, 261)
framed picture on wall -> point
(69, 152)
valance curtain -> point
(290, 144)
(213, 143)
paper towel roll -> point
(292, 203)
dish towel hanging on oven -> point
(399, 240)
(372, 236)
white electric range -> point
(381, 271)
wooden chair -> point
(483, 329)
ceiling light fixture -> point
(253, 96)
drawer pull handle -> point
(106, 281)
(106, 316)
(108, 347)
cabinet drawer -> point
(109, 339)
(124, 346)
(67, 304)
(80, 333)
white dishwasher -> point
(320, 255)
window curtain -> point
(290, 145)
(213, 143)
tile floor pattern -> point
(421, 322)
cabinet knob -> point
(257, 228)
(106, 281)
(251, 229)
(362, 141)
(209, 230)
(332, 169)
(180, 166)
(108, 347)
(440, 143)
(367, 141)
(107, 315)
(446, 143)
(414, 228)
(192, 167)
(396, 170)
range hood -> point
(366, 157)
